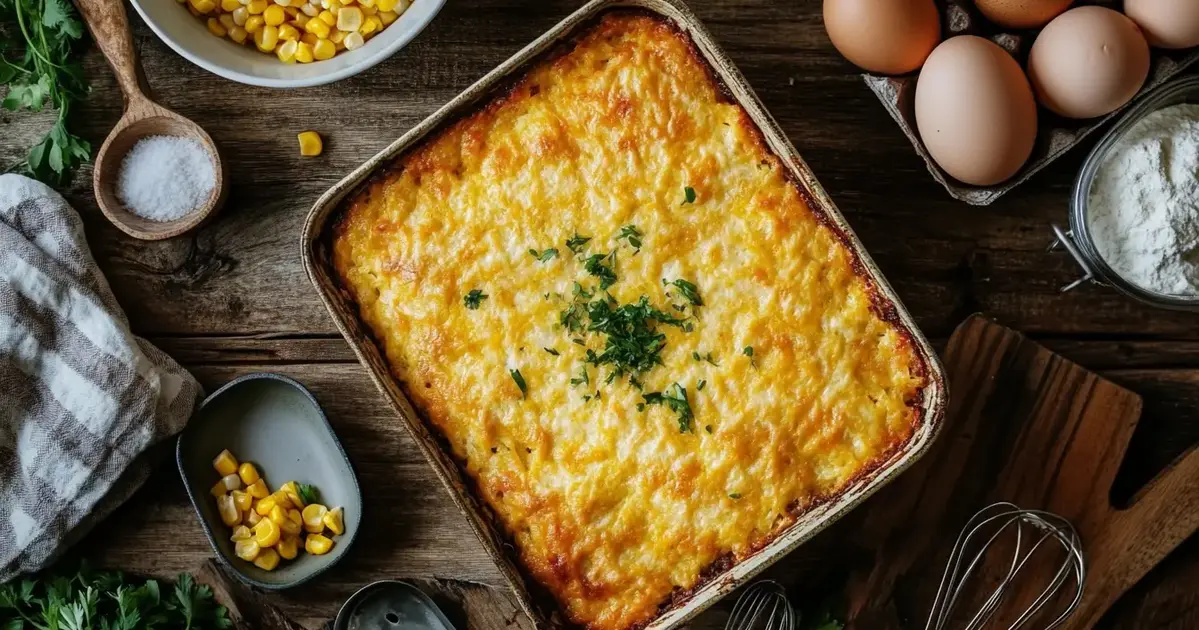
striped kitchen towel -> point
(80, 396)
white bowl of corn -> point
(287, 43)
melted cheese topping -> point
(613, 509)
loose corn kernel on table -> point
(232, 299)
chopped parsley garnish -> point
(595, 266)
(474, 299)
(551, 351)
(700, 388)
(749, 352)
(632, 234)
(704, 357)
(675, 397)
(688, 196)
(576, 243)
(582, 379)
(689, 291)
(734, 495)
(520, 382)
(708, 428)
(308, 493)
(633, 344)
(543, 256)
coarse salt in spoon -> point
(143, 118)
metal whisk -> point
(764, 600)
(1031, 529)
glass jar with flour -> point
(1134, 214)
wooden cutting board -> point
(1026, 426)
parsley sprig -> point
(39, 64)
(96, 599)
(675, 398)
(474, 299)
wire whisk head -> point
(1027, 531)
(763, 602)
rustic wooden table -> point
(232, 298)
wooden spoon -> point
(143, 117)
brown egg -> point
(883, 36)
(975, 111)
(1088, 62)
(1021, 13)
(1166, 23)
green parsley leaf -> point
(576, 243)
(308, 493)
(675, 398)
(708, 428)
(520, 382)
(583, 379)
(734, 495)
(543, 256)
(688, 196)
(595, 266)
(749, 352)
(474, 299)
(700, 388)
(708, 358)
(689, 290)
(551, 351)
(630, 233)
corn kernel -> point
(317, 27)
(328, 17)
(314, 518)
(311, 144)
(226, 20)
(289, 33)
(228, 510)
(266, 38)
(257, 489)
(289, 526)
(247, 549)
(232, 482)
(310, 10)
(304, 51)
(337, 37)
(349, 19)
(386, 5)
(240, 16)
(377, 23)
(335, 521)
(242, 500)
(252, 518)
(267, 533)
(317, 544)
(254, 24)
(225, 463)
(229, 6)
(300, 20)
(288, 547)
(274, 15)
(291, 12)
(366, 3)
(323, 49)
(331, 5)
(256, 7)
(265, 506)
(204, 6)
(388, 17)
(267, 560)
(310, 39)
(277, 514)
(248, 473)
(241, 532)
(219, 489)
(354, 41)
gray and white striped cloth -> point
(80, 396)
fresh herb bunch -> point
(38, 40)
(99, 600)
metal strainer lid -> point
(390, 605)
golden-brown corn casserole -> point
(644, 346)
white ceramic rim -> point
(410, 24)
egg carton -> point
(1055, 135)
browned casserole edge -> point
(882, 306)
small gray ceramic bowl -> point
(275, 423)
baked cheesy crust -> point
(613, 509)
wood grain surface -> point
(231, 298)
(1036, 431)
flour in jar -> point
(1143, 207)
